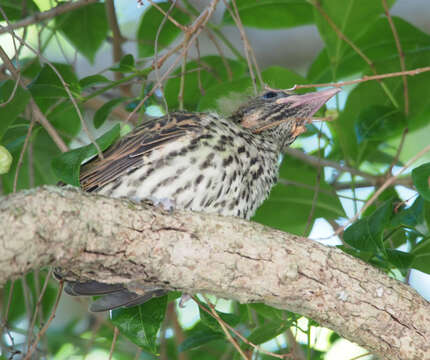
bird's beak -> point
(311, 101)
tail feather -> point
(113, 295)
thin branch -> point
(366, 78)
(46, 326)
(46, 15)
(224, 328)
(391, 180)
(401, 54)
(21, 155)
(115, 337)
(315, 161)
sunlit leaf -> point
(421, 179)
(141, 323)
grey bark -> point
(114, 240)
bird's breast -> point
(217, 172)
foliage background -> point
(378, 126)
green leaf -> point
(212, 71)
(149, 25)
(91, 80)
(199, 338)
(47, 88)
(141, 323)
(32, 173)
(212, 323)
(412, 216)
(67, 166)
(65, 119)
(421, 179)
(351, 17)
(267, 332)
(271, 14)
(366, 233)
(125, 65)
(400, 259)
(103, 111)
(289, 205)
(89, 20)
(15, 10)
(268, 312)
(421, 260)
(10, 111)
(376, 122)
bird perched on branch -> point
(201, 162)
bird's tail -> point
(112, 296)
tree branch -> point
(114, 240)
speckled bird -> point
(199, 162)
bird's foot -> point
(183, 300)
(165, 203)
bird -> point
(205, 162)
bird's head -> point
(281, 115)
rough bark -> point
(113, 240)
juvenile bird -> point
(201, 162)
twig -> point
(314, 161)
(398, 152)
(38, 305)
(117, 41)
(224, 328)
(385, 185)
(245, 43)
(195, 28)
(115, 337)
(167, 15)
(240, 336)
(401, 54)
(46, 326)
(41, 16)
(367, 78)
(21, 155)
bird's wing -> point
(130, 151)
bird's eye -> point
(270, 95)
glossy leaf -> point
(400, 259)
(47, 89)
(421, 179)
(412, 216)
(32, 173)
(67, 166)
(125, 65)
(210, 321)
(378, 122)
(141, 323)
(352, 17)
(288, 206)
(103, 111)
(198, 339)
(378, 44)
(421, 259)
(92, 80)
(366, 233)
(10, 111)
(14, 9)
(150, 24)
(271, 14)
(267, 332)
(89, 20)
(196, 83)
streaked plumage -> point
(200, 162)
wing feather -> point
(129, 152)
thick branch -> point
(114, 240)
